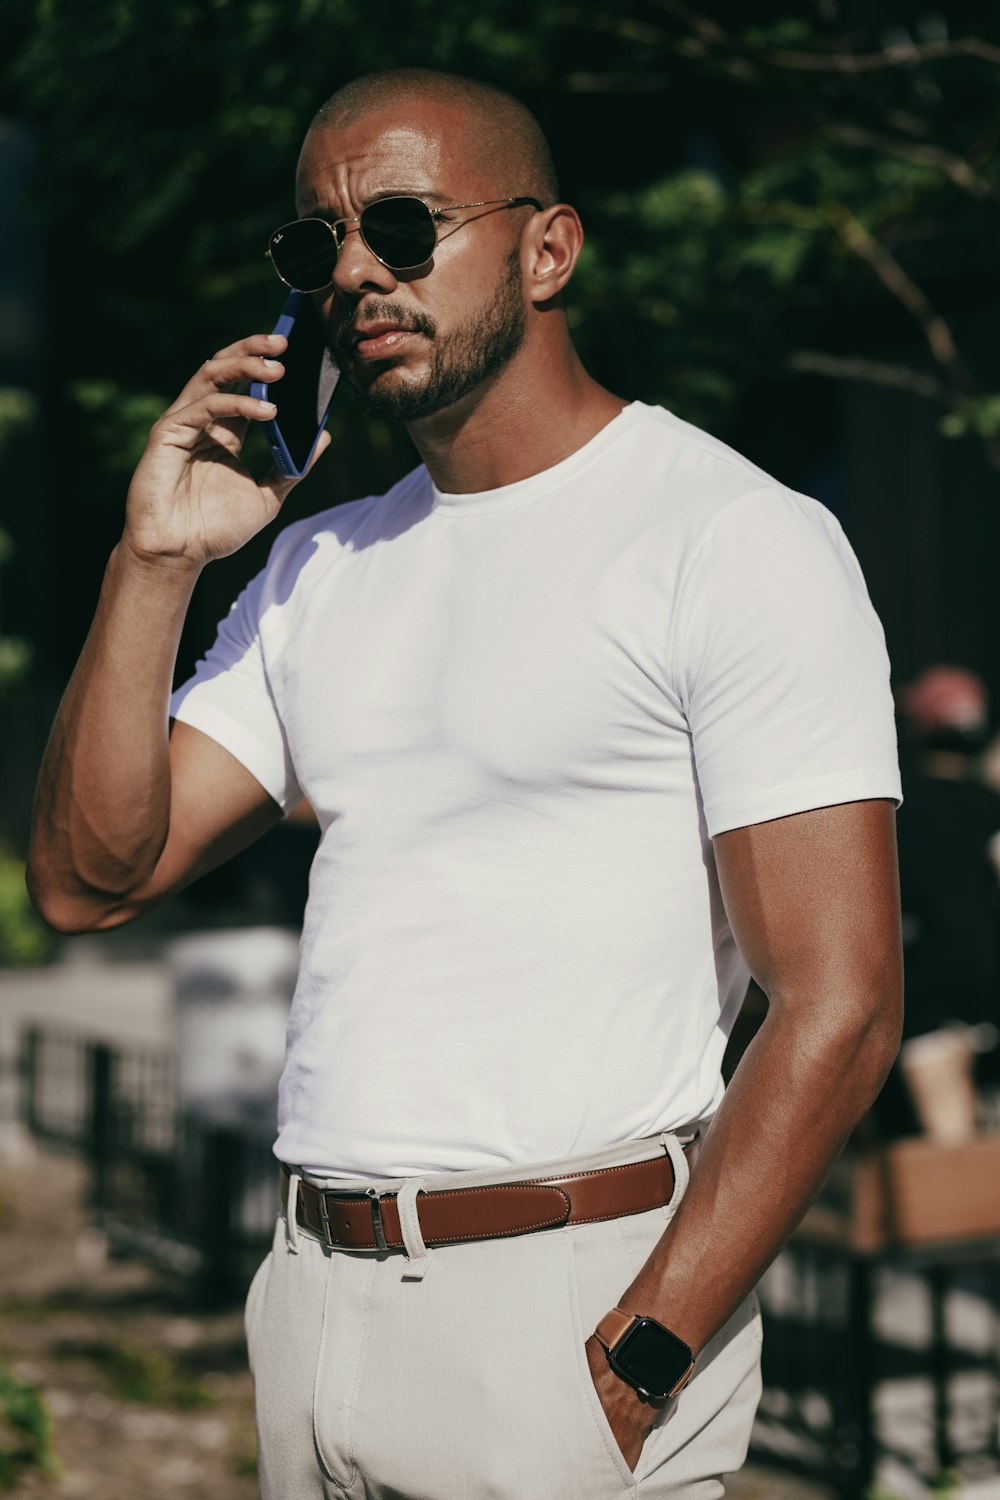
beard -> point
(463, 360)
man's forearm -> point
(806, 1079)
(103, 804)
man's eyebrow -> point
(320, 211)
(412, 192)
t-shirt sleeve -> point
(781, 665)
(229, 698)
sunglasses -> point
(400, 232)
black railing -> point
(847, 1386)
(192, 1195)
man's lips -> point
(380, 340)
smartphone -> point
(304, 394)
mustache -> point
(378, 310)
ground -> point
(148, 1397)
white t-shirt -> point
(520, 717)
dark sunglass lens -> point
(400, 231)
(305, 254)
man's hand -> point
(191, 499)
(631, 1419)
(122, 817)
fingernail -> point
(268, 407)
(273, 363)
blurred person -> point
(949, 857)
(595, 719)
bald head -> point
(500, 132)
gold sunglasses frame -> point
(436, 214)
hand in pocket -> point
(630, 1418)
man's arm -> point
(813, 904)
(125, 814)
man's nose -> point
(358, 271)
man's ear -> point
(553, 242)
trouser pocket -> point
(475, 1379)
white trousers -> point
(459, 1372)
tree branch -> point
(888, 376)
(871, 372)
(901, 55)
(960, 171)
(617, 83)
(895, 280)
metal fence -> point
(193, 1196)
(883, 1360)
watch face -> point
(651, 1358)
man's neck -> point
(514, 427)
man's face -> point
(415, 342)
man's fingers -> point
(183, 428)
(257, 358)
(219, 374)
(227, 435)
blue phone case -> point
(327, 377)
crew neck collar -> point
(546, 479)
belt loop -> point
(417, 1259)
(679, 1162)
(291, 1214)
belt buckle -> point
(372, 1195)
(324, 1218)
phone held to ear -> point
(304, 394)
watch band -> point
(616, 1324)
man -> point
(595, 718)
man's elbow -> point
(848, 1022)
(882, 1035)
(69, 911)
(872, 1023)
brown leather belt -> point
(370, 1220)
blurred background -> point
(793, 221)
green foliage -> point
(23, 938)
(980, 415)
(17, 412)
(717, 179)
(245, 1458)
(149, 1376)
(788, 32)
(119, 419)
(16, 656)
(944, 1486)
(25, 1431)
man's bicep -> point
(813, 900)
(217, 808)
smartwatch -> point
(651, 1359)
